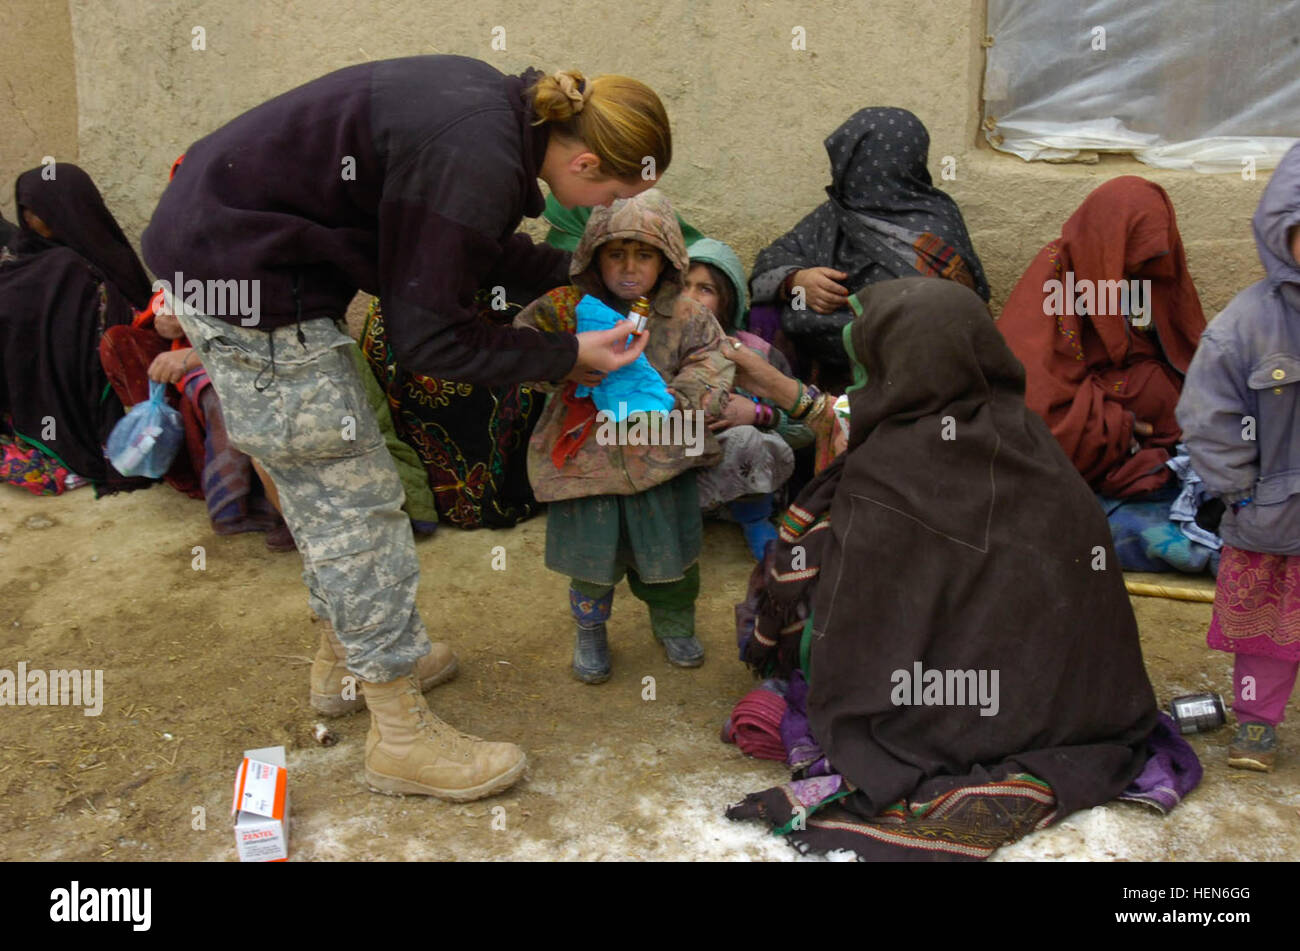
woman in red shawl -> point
(1107, 383)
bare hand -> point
(753, 372)
(739, 411)
(166, 324)
(169, 367)
(1143, 429)
(742, 356)
(822, 290)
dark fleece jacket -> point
(404, 178)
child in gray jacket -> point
(1240, 415)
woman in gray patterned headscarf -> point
(883, 219)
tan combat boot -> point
(409, 751)
(330, 667)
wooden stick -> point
(1164, 591)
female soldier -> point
(404, 178)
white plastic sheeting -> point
(1209, 85)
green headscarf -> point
(846, 335)
(568, 224)
(709, 251)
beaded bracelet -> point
(819, 406)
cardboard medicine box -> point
(261, 806)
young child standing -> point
(633, 509)
(1240, 415)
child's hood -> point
(1277, 214)
(647, 217)
(720, 255)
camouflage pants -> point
(297, 407)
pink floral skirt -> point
(1257, 605)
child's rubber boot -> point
(591, 644)
(1254, 747)
(591, 655)
(410, 752)
(754, 518)
(683, 651)
(331, 696)
(674, 628)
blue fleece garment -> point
(635, 388)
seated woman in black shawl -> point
(883, 218)
(65, 278)
(949, 585)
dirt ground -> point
(200, 665)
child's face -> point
(630, 268)
(701, 287)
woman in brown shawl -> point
(974, 665)
(1107, 383)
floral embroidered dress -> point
(470, 439)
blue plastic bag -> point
(635, 388)
(145, 441)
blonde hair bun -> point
(561, 96)
(574, 85)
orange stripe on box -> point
(277, 811)
(240, 776)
